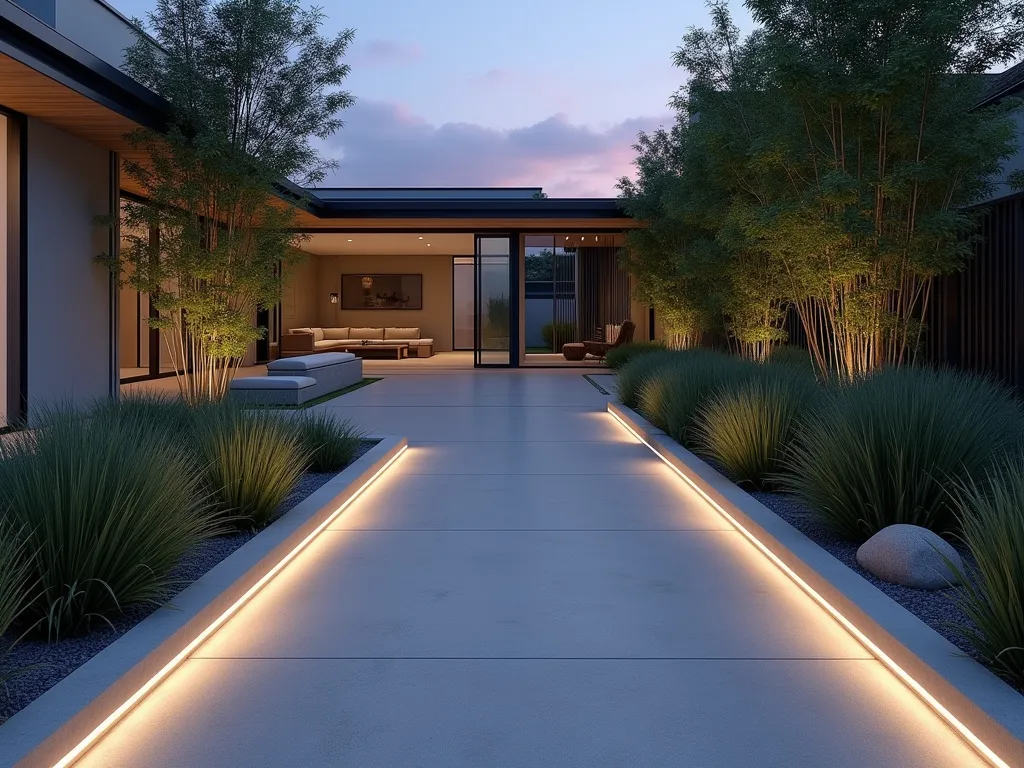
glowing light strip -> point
(216, 624)
(950, 719)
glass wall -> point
(12, 341)
(5, 253)
(493, 301)
(574, 291)
(463, 291)
(142, 350)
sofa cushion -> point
(273, 382)
(401, 334)
(366, 333)
(424, 342)
(335, 334)
(300, 330)
(318, 334)
(310, 362)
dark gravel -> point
(935, 608)
(45, 664)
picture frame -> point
(381, 291)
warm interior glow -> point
(904, 676)
(112, 719)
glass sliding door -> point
(463, 302)
(493, 316)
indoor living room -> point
(399, 301)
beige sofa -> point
(305, 341)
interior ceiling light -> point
(428, 245)
(421, 237)
(350, 239)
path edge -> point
(989, 708)
(45, 732)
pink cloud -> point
(495, 77)
(385, 144)
(382, 53)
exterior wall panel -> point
(69, 345)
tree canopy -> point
(824, 164)
(252, 84)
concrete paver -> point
(528, 586)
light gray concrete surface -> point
(529, 586)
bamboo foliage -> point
(826, 164)
(251, 83)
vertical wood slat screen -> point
(975, 318)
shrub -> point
(747, 427)
(108, 509)
(330, 443)
(620, 356)
(991, 594)
(632, 375)
(671, 396)
(561, 332)
(886, 449)
(251, 458)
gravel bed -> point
(45, 664)
(935, 608)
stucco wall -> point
(68, 293)
(434, 320)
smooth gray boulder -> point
(911, 556)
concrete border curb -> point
(963, 692)
(49, 729)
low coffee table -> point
(400, 350)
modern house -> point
(491, 277)
(449, 264)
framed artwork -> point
(382, 291)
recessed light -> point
(421, 238)
(428, 245)
(350, 239)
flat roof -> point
(425, 193)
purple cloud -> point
(385, 144)
(379, 53)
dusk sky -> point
(525, 93)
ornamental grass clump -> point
(167, 415)
(107, 509)
(791, 356)
(631, 376)
(16, 588)
(748, 426)
(991, 595)
(330, 443)
(888, 448)
(618, 357)
(251, 461)
(671, 397)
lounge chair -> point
(600, 348)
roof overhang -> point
(545, 214)
(30, 42)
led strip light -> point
(112, 719)
(951, 719)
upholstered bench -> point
(331, 370)
(273, 390)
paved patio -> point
(528, 586)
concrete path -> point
(528, 586)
